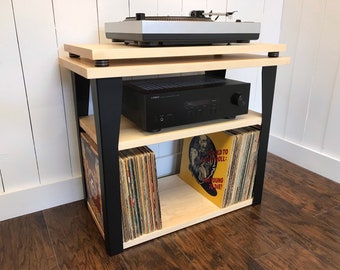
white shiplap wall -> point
(306, 112)
(39, 162)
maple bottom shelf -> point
(181, 207)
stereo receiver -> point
(159, 103)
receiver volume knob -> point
(238, 100)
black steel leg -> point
(81, 90)
(268, 85)
(107, 102)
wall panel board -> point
(18, 166)
(270, 33)
(38, 47)
(249, 11)
(169, 8)
(111, 11)
(271, 21)
(289, 36)
(331, 143)
(323, 77)
(305, 127)
(76, 22)
(304, 64)
(137, 6)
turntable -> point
(197, 29)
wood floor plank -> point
(294, 256)
(25, 244)
(251, 233)
(306, 230)
(331, 218)
(305, 199)
(160, 253)
(307, 190)
(77, 242)
(207, 247)
(288, 211)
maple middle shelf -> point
(131, 136)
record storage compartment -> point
(171, 188)
(113, 132)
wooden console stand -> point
(104, 65)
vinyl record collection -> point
(139, 192)
(222, 165)
(138, 189)
(241, 175)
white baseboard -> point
(18, 203)
(312, 160)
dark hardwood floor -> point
(297, 226)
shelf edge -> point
(131, 136)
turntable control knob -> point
(238, 100)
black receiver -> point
(159, 103)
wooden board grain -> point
(117, 51)
(181, 207)
(131, 136)
(148, 66)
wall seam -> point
(2, 182)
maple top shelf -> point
(125, 60)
